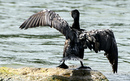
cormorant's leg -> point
(63, 65)
(81, 64)
(83, 67)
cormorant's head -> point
(75, 14)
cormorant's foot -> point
(84, 67)
(64, 66)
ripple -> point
(39, 47)
(30, 36)
(41, 61)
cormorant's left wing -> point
(47, 18)
(102, 40)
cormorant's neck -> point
(76, 24)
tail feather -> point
(72, 57)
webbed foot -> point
(63, 65)
(84, 67)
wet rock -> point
(50, 74)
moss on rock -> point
(50, 74)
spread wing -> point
(102, 40)
(47, 18)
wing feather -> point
(36, 21)
(42, 21)
(27, 24)
(102, 40)
(47, 18)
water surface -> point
(43, 46)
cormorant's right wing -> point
(102, 40)
(47, 18)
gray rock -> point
(50, 74)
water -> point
(43, 46)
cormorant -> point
(76, 39)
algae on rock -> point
(50, 74)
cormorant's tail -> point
(72, 57)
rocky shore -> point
(50, 74)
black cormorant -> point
(76, 39)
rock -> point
(50, 74)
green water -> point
(43, 46)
